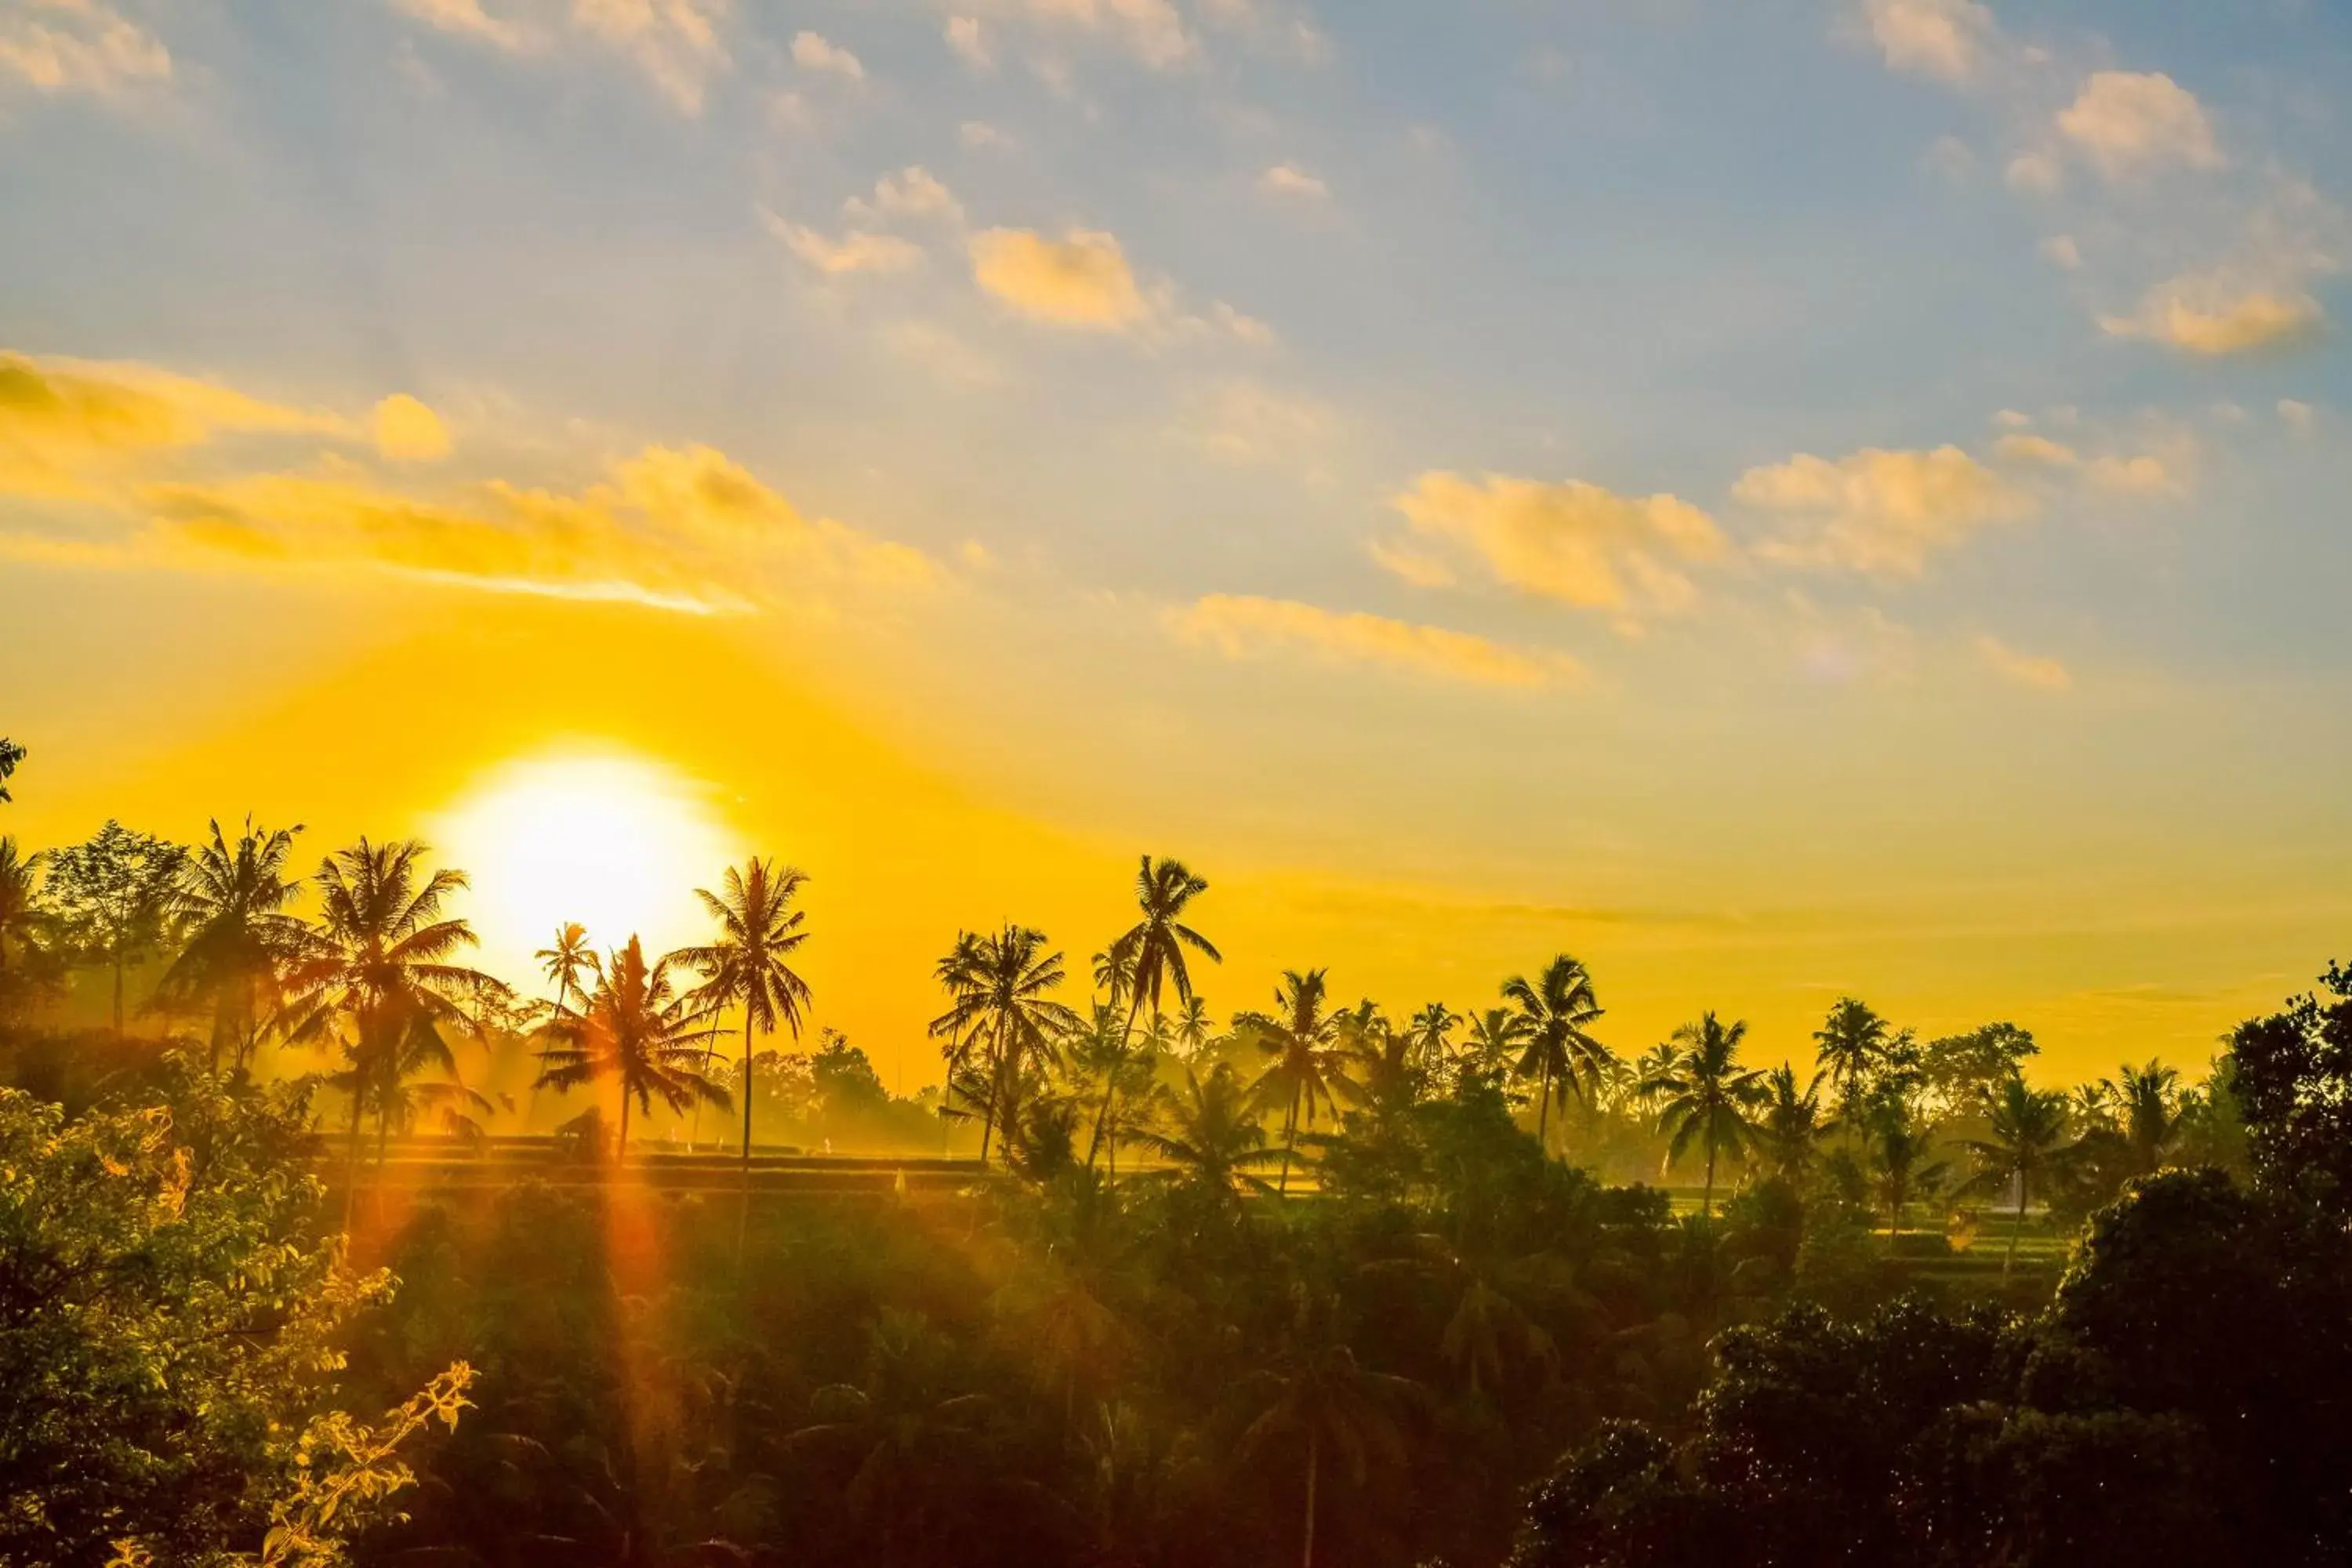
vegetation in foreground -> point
(1309, 1285)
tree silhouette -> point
(1304, 1069)
(1788, 1124)
(375, 975)
(1321, 1396)
(638, 1031)
(2148, 1103)
(1557, 1051)
(1000, 1002)
(2028, 1131)
(1706, 1096)
(20, 908)
(759, 930)
(232, 905)
(1851, 1045)
(1151, 952)
(11, 754)
(112, 896)
(1210, 1138)
(1497, 1037)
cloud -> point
(911, 192)
(2037, 449)
(2064, 252)
(2023, 669)
(948, 357)
(964, 36)
(2297, 416)
(1152, 31)
(1572, 542)
(980, 133)
(855, 251)
(1942, 38)
(1244, 421)
(2036, 172)
(1081, 280)
(1289, 182)
(406, 431)
(814, 52)
(67, 425)
(466, 20)
(675, 42)
(2134, 122)
(2210, 315)
(1876, 510)
(2144, 474)
(1245, 626)
(79, 46)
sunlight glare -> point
(615, 842)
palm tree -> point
(1304, 1069)
(1000, 990)
(634, 1028)
(1194, 1027)
(2146, 1101)
(2029, 1137)
(565, 960)
(1789, 1128)
(1431, 1031)
(1211, 1138)
(1899, 1145)
(758, 931)
(1103, 1049)
(1706, 1096)
(1850, 1046)
(375, 976)
(1496, 1036)
(19, 904)
(1151, 952)
(1321, 1395)
(1553, 1011)
(232, 905)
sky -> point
(1776, 497)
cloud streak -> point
(1245, 626)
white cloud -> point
(814, 52)
(970, 46)
(980, 133)
(911, 192)
(2134, 122)
(79, 46)
(2298, 417)
(2036, 173)
(1942, 38)
(467, 19)
(2063, 252)
(1290, 181)
(1152, 31)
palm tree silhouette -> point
(2029, 1137)
(636, 1029)
(758, 931)
(1210, 1138)
(375, 975)
(2148, 1103)
(1706, 1095)
(1789, 1128)
(1431, 1031)
(19, 902)
(1494, 1043)
(999, 989)
(1553, 1012)
(565, 960)
(1151, 952)
(232, 905)
(1194, 1027)
(1302, 1040)
(1850, 1044)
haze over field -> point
(1778, 498)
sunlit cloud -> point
(2296, 415)
(1244, 626)
(1151, 31)
(2023, 669)
(2210, 315)
(815, 52)
(408, 431)
(1943, 38)
(857, 251)
(1081, 280)
(1244, 421)
(980, 133)
(1572, 542)
(1879, 512)
(65, 425)
(910, 193)
(1291, 183)
(467, 19)
(675, 43)
(2137, 122)
(970, 44)
(77, 46)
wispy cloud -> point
(2040, 674)
(78, 47)
(1244, 626)
(1876, 510)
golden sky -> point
(1776, 501)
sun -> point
(614, 841)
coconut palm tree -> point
(1553, 1011)
(11, 754)
(19, 902)
(1105, 1051)
(1495, 1037)
(636, 1029)
(232, 905)
(1305, 1071)
(564, 960)
(1194, 1027)
(1000, 988)
(1319, 1395)
(2147, 1106)
(2028, 1139)
(1210, 1136)
(375, 976)
(1789, 1124)
(1850, 1044)
(1899, 1145)
(1151, 952)
(1708, 1097)
(1431, 1032)
(747, 967)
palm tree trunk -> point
(1543, 1111)
(1289, 1142)
(621, 1153)
(2010, 1255)
(352, 1182)
(747, 1092)
(118, 991)
(1707, 1198)
(1314, 1465)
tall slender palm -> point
(747, 967)
(1495, 1037)
(232, 905)
(1194, 1027)
(1708, 1097)
(1153, 950)
(959, 973)
(564, 960)
(1790, 1123)
(1319, 1394)
(1850, 1046)
(1553, 1010)
(2029, 1129)
(1305, 1069)
(1002, 1005)
(1210, 1136)
(1103, 1050)
(1899, 1146)
(2147, 1102)
(19, 902)
(1431, 1031)
(375, 976)
(636, 1029)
